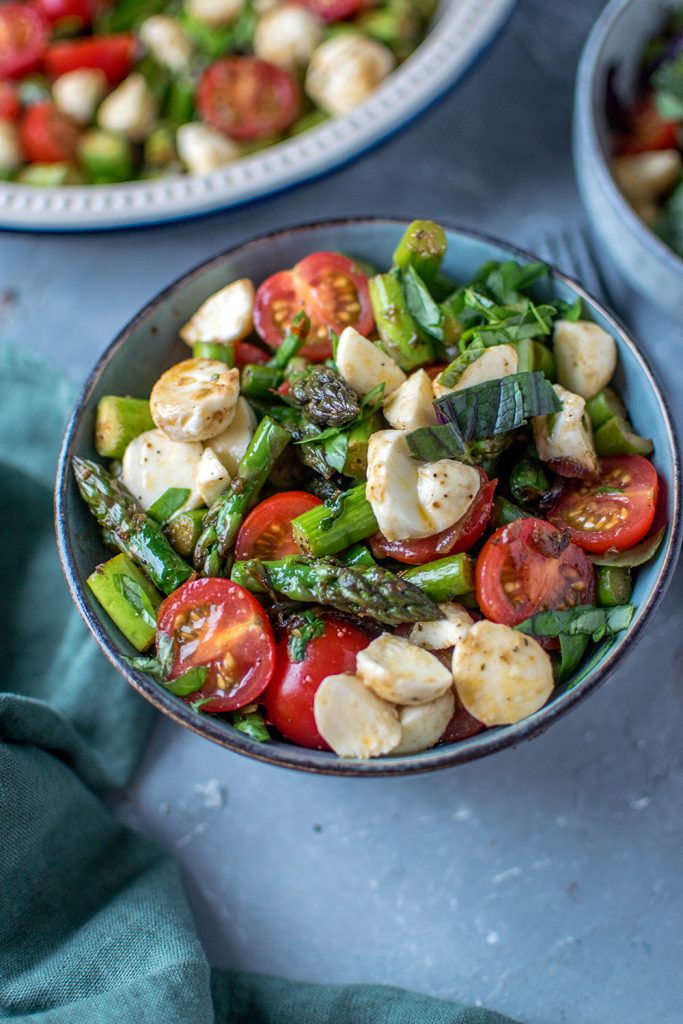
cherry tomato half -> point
(267, 530)
(649, 130)
(289, 697)
(245, 353)
(462, 725)
(247, 98)
(219, 625)
(10, 104)
(112, 54)
(527, 567)
(23, 38)
(459, 537)
(335, 10)
(48, 136)
(614, 511)
(58, 10)
(330, 287)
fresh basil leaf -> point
(147, 664)
(188, 683)
(307, 627)
(252, 724)
(198, 704)
(499, 406)
(168, 503)
(449, 377)
(637, 555)
(572, 650)
(429, 444)
(504, 282)
(165, 644)
(586, 619)
(591, 662)
(426, 313)
(570, 310)
(371, 403)
(131, 590)
(336, 449)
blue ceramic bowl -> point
(149, 344)
(627, 250)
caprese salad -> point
(648, 136)
(104, 91)
(374, 511)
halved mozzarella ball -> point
(569, 435)
(11, 154)
(287, 35)
(401, 672)
(345, 70)
(165, 39)
(392, 487)
(204, 149)
(412, 404)
(645, 177)
(225, 316)
(131, 109)
(231, 444)
(442, 633)
(494, 363)
(214, 12)
(423, 726)
(195, 400)
(501, 676)
(353, 720)
(77, 93)
(152, 463)
(364, 365)
(212, 477)
(586, 356)
(445, 491)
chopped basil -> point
(572, 650)
(131, 590)
(499, 406)
(306, 627)
(251, 723)
(637, 555)
(429, 444)
(426, 313)
(592, 662)
(585, 619)
(159, 668)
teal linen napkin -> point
(94, 924)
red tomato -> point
(48, 136)
(112, 54)
(335, 10)
(455, 539)
(597, 517)
(247, 98)
(23, 38)
(219, 625)
(649, 130)
(434, 370)
(10, 104)
(267, 530)
(57, 10)
(330, 287)
(247, 353)
(461, 726)
(528, 566)
(289, 697)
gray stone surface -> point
(546, 881)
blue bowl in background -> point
(149, 344)
(627, 250)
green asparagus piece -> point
(604, 406)
(335, 525)
(106, 157)
(505, 512)
(356, 462)
(396, 327)
(398, 25)
(325, 397)
(136, 534)
(357, 555)
(614, 585)
(117, 421)
(544, 361)
(293, 341)
(258, 381)
(528, 481)
(225, 516)
(367, 591)
(179, 100)
(224, 352)
(422, 247)
(129, 599)
(444, 579)
(184, 530)
(525, 355)
(168, 503)
(615, 437)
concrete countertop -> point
(544, 882)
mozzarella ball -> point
(494, 363)
(446, 491)
(501, 676)
(195, 399)
(423, 726)
(165, 40)
(225, 316)
(442, 633)
(345, 70)
(130, 109)
(78, 93)
(212, 477)
(152, 463)
(204, 149)
(401, 672)
(214, 12)
(411, 405)
(586, 356)
(364, 365)
(287, 35)
(231, 444)
(567, 435)
(353, 720)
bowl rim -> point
(585, 103)
(320, 762)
